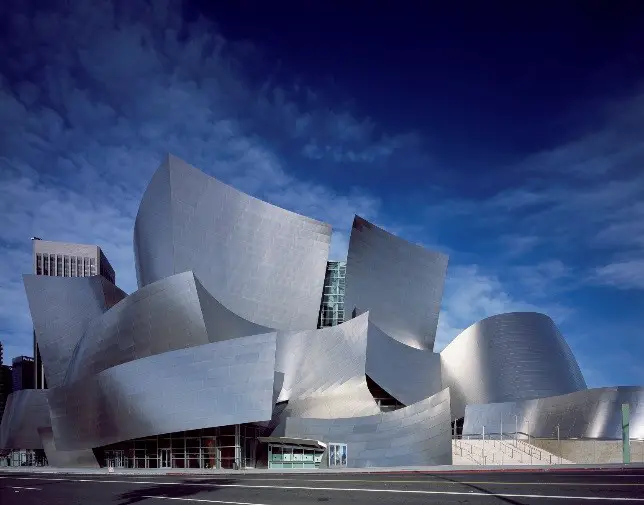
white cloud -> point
(517, 245)
(624, 275)
(544, 278)
(472, 295)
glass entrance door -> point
(164, 458)
(337, 455)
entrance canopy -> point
(303, 442)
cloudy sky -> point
(513, 140)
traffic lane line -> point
(202, 500)
(368, 490)
(27, 488)
(627, 473)
(213, 482)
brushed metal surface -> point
(264, 263)
(83, 458)
(419, 434)
(408, 374)
(592, 413)
(399, 283)
(173, 313)
(324, 372)
(217, 384)
(61, 309)
(26, 410)
(509, 357)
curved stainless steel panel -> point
(416, 435)
(26, 411)
(593, 413)
(399, 283)
(153, 234)
(509, 357)
(65, 459)
(317, 360)
(264, 263)
(324, 372)
(173, 313)
(61, 309)
(218, 384)
(409, 375)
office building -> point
(6, 381)
(62, 259)
(217, 361)
(332, 306)
(22, 373)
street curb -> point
(348, 471)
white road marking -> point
(363, 490)
(396, 481)
(203, 500)
(29, 488)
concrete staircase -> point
(501, 452)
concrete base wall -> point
(591, 451)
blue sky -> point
(512, 139)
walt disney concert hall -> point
(224, 357)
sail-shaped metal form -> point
(264, 263)
(399, 283)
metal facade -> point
(399, 283)
(83, 458)
(218, 384)
(324, 372)
(222, 331)
(419, 434)
(61, 310)
(509, 357)
(25, 412)
(593, 413)
(406, 373)
(264, 263)
(163, 316)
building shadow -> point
(183, 489)
(478, 489)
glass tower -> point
(332, 306)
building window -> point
(92, 268)
(67, 272)
(72, 263)
(86, 264)
(332, 306)
(59, 266)
(38, 264)
(45, 264)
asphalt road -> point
(615, 486)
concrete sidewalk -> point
(372, 470)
